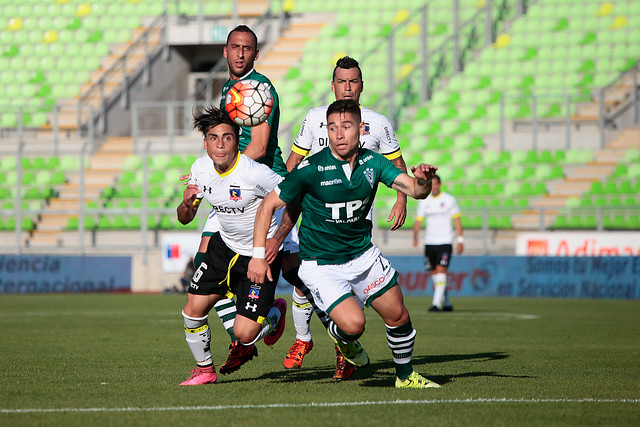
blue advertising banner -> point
(517, 276)
(49, 273)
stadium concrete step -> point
(252, 7)
(594, 171)
(551, 201)
(44, 239)
(572, 187)
(629, 138)
(53, 222)
(611, 157)
(530, 220)
(288, 50)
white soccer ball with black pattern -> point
(249, 102)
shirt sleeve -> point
(193, 177)
(389, 146)
(304, 140)
(388, 171)
(455, 209)
(421, 210)
(295, 182)
(265, 179)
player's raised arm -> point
(189, 206)
(257, 148)
(399, 210)
(258, 266)
(418, 187)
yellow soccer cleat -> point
(416, 380)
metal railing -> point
(612, 103)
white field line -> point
(314, 405)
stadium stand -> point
(56, 53)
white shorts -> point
(291, 242)
(365, 277)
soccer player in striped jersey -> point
(377, 135)
(339, 261)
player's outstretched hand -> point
(424, 171)
(258, 270)
(185, 178)
(398, 215)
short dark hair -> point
(345, 106)
(212, 117)
(243, 29)
(347, 63)
(437, 177)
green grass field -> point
(118, 359)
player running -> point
(339, 261)
(378, 136)
(234, 185)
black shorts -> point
(224, 272)
(437, 255)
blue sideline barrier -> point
(42, 274)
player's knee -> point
(245, 337)
(354, 327)
(397, 317)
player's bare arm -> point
(399, 210)
(258, 266)
(293, 160)
(288, 220)
(418, 187)
(257, 148)
(189, 206)
(417, 225)
(460, 241)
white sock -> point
(199, 338)
(269, 324)
(439, 287)
(301, 312)
(447, 302)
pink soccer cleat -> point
(201, 375)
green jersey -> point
(273, 157)
(335, 202)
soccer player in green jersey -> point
(339, 261)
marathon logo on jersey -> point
(235, 194)
(332, 182)
(326, 168)
(254, 292)
(367, 129)
(368, 173)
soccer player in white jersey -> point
(377, 135)
(439, 209)
(234, 185)
(339, 261)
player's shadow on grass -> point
(377, 374)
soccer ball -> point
(249, 102)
